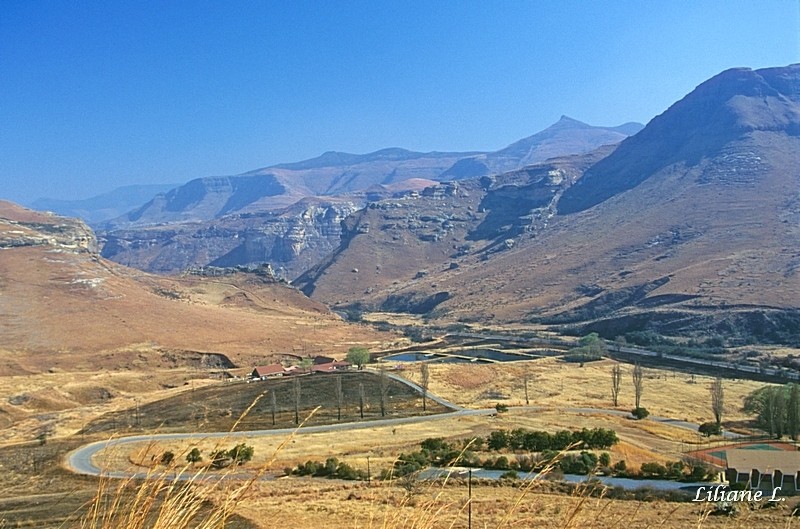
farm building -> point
(330, 367)
(269, 371)
(764, 469)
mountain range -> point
(290, 214)
(690, 226)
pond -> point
(626, 483)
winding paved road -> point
(80, 460)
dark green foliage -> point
(501, 408)
(332, 469)
(194, 456)
(640, 413)
(167, 458)
(358, 356)
(605, 459)
(539, 441)
(582, 463)
(771, 407)
(710, 428)
(653, 470)
(511, 474)
(433, 444)
(497, 440)
(590, 347)
(241, 453)
(501, 463)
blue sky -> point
(94, 95)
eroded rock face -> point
(290, 241)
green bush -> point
(710, 428)
(640, 413)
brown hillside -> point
(57, 296)
(690, 226)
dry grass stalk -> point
(176, 497)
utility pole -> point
(469, 501)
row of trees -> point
(540, 441)
(439, 453)
(220, 458)
(776, 409)
(637, 376)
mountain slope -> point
(57, 295)
(690, 226)
(105, 206)
(567, 136)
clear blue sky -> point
(94, 95)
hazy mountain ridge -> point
(103, 207)
(249, 218)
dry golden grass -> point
(558, 384)
(305, 503)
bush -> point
(710, 428)
(501, 463)
(167, 457)
(639, 413)
(194, 456)
(501, 408)
(241, 453)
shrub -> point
(167, 458)
(194, 456)
(241, 453)
(710, 428)
(639, 413)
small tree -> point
(717, 399)
(305, 364)
(273, 405)
(638, 384)
(241, 453)
(361, 399)
(425, 378)
(167, 457)
(296, 390)
(384, 390)
(525, 378)
(358, 356)
(793, 412)
(339, 397)
(194, 456)
(616, 379)
(593, 345)
(710, 428)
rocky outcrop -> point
(45, 230)
(290, 241)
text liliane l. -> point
(719, 493)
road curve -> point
(81, 460)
